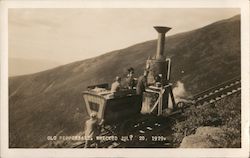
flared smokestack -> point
(161, 40)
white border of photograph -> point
(175, 152)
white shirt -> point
(115, 86)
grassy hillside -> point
(45, 103)
(224, 114)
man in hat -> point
(116, 86)
(91, 130)
(130, 80)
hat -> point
(93, 115)
(117, 78)
(131, 69)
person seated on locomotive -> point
(116, 86)
(92, 129)
(130, 80)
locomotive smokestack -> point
(161, 40)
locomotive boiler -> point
(158, 79)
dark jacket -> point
(141, 85)
(130, 82)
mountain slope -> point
(44, 103)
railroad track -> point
(218, 92)
(154, 125)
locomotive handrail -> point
(158, 100)
(152, 91)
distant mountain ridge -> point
(44, 103)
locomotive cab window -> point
(93, 106)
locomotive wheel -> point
(181, 105)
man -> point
(142, 83)
(116, 86)
(130, 80)
(91, 130)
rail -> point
(218, 92)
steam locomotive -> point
(122, 110)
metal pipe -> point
(161, 40)
(168, 60)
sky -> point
(67, 35)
